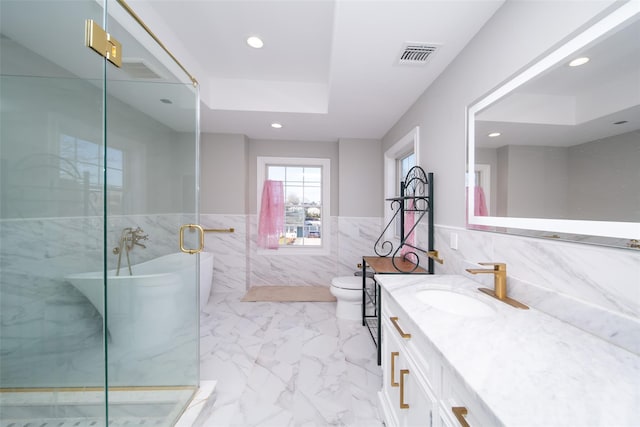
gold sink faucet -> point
(499, 290)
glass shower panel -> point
(52, 366)
(152, 301)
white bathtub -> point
(154, 303)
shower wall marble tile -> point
(591, 287)
(45, 317)
(229, 251)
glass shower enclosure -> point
(98, 306)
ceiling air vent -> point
(139, 69)
(416, 53)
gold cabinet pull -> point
(403, 372)
(460, 412)
(402, 333)
(394, 354)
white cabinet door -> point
(406, 397)
(416, 397)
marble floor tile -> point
(287, 364)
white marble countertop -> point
(528, 368)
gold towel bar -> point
(219, 230)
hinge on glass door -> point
(102, 42)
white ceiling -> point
(328, 70)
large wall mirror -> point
(555, 151)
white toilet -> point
(348, 292)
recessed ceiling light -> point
(276, 125)
(578, 61)
(494, 134)
(255, 42)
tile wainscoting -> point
(594, 288)
(238, 264)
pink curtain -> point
(480, 204)
(271, 223)
(479, 207)
(409, 222)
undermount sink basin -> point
(455, 303)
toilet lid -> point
(349, 282)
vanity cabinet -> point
(418, 387)
(407, 398)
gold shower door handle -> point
(191, 227)
(201, 232)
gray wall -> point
(609, 168)
(519, 32)
(536, 181)
(223, 174)
(563, 182)
(228, 172)
(361, 178)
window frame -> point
(325, 165)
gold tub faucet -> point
(499, 290)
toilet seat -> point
(349, 282)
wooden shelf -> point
(384, 265)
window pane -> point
(312, 195)
(276, 173)
(407, 163)
(114, 177)
(312, 175)
(91, 170)
(294, 215)
(293, 195)
(88, 152)
(295, 174)
(114, 158)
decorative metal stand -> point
(416, 195)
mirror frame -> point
(619, 234)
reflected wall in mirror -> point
(555, 151)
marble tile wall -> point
(238, 264)
(594, 288)
(356, 237)
(276, 268)
(229, 251)
(44, 318)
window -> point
(398, 159)
(82, 161)
(306, 201)
(404, 164)
(86, 159)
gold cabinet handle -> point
(460, 412)
(200, 232)
(403, 372)
(402, 333)
(394, 354)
